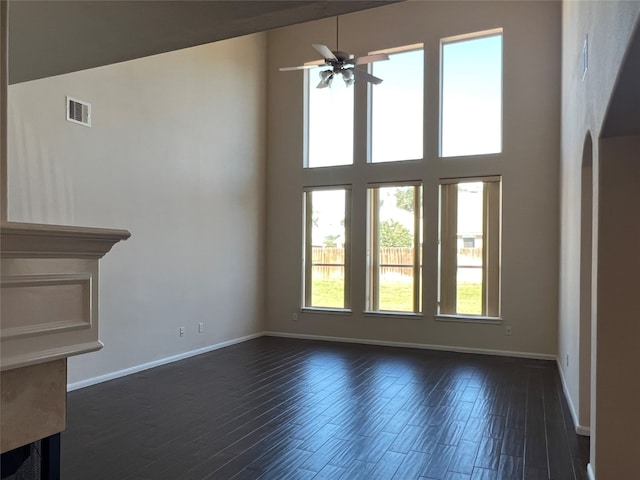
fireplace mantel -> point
(33, 240)
(50, 291)
(49, 312)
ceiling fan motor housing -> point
(343, 56)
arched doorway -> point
(586, 262)
(615, 417)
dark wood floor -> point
(274, 408)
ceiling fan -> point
(340, 63)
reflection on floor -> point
(274, 408)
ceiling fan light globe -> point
(326, 79)
(347, 76)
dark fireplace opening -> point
(39, 460)
(22, 463)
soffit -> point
(623, 115)
(48, 38)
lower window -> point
(394, 250)
(326, 256)
(470, 211)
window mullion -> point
(491, 250)
(448, 248)
(347, 248)
(308, 261)
(374, 291)
(416, 249)
(485, 247)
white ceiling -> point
(49, 38)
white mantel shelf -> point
(33, 240)
(49, 288)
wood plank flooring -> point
(274, 408)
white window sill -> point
(407, 315)
(329, 311)
(468, 319)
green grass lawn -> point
(469, 298)
(327, 292)
(395, 296)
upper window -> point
(396, 106)
(471, 96)
(326, 265)
(329, 129)
(395, 248)
(470, 247)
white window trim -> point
(307, 262)
(385, 315)
(307, 88)
(491, 262)
(461, 38)
(329, 311)
(372, 281)
(369, 109)
(468, 319)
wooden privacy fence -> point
(327, 262)
(470, 252)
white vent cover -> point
(78, 112)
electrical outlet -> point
(507, 329)
(182, 331)
(294, 317)
(201, 327)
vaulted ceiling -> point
(49, 38)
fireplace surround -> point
(49, 312)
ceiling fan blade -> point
(299, 67)
(366, 76)
(369, 59)
(325, 52)
(315, 63)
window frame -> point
(462, 38)
(369, 105)
(491, 249)
(307, 258)
(306, 125)
(372, 300)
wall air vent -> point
(78, 112)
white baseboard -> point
(583, 431)
(424, 346)
(590, 474)
(157, 363)
(580, 429)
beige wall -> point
(609, 26)
(617, 390)
(176, 155)
(529, 166)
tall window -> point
(329, 129)
(470, 247)
(395, 248)
(396, 106)
(471, 95)
(326, 259)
